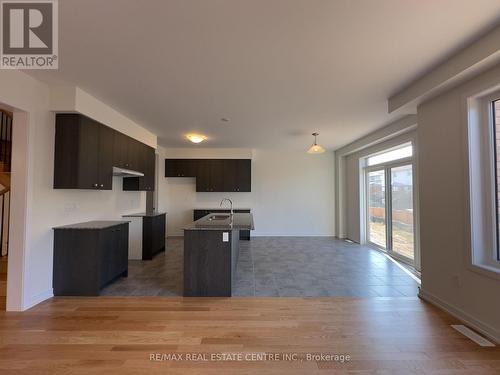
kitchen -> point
(91, 256)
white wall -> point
(36, 206)
(444, 222)
(292, 192)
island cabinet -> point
(211, 249)
(89, 256)
(210, 258)
(86, 152)
(213, 175)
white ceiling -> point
(279, 69)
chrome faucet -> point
(230, 202)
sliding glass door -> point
(389, 202)
(401, 226)
(377, 223)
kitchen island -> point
(211, 248)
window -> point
(483, 131)
(496, 164)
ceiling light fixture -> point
(196, 138)
(315, 148)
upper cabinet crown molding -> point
(86, 152)
(213, 175)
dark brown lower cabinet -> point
(86, 260)
(199, 213)
(153, 235)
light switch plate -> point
(225, 237)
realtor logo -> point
(29, 37)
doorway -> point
(5, 174)
(390, 202)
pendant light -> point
(315, 148)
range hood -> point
(122, 172)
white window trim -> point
(482, 186)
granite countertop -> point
(145, 214)
(242, 221)
(100, 224)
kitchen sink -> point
(218, 217)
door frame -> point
(387, 167)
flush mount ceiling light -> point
(315, 148)
(196, 138)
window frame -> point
(482, 185)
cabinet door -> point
(88, 154)
(66, 162)
(158, 232)
(106, 137)
(172, 167)
(147, 182)
(203, 176)
(120, 150)
(217, 175)
(122, 248)
(117, 250)
(180, 167)
(135, 155)
(229, 176)
(106, 246)
(243, 175)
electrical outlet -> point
(225, 237)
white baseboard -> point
(481, 327)
(37, 298)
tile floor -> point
(280, 267)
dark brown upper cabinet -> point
(82, 158)
(145, 163)
(86, 152)
(237, 175)
(213, 175)
(181, 167)
(120, 150)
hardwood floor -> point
(3, 282)
(117, 335)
